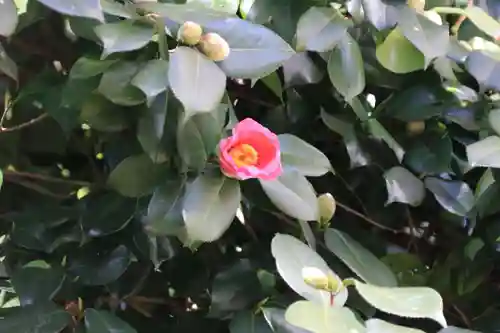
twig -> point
(38, 188)
(9, 173)
(462, 315)
(23, 125)
(366, 218)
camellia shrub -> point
(246, 166)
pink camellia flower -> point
(253, 151)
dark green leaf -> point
(403, 186)
(116, 85)
(248, 322)
(27, 281)
(380, 13)
(485, 69)
(105, 322)
(7, 65)
(123, 36)
(152, 79)
(398, 55)
(96, 270)
(301, 70)
(40, 318)
(485, 153)
(345, 68)
(210, 206)
(431, 154)
(87, 67)
(293, 195)
(88, 8)
(103, 115)
(137, 176)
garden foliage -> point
(249, 166)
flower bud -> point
(317, 279)
(214, 47)
(190, 33)
(415, 127)
(327, 207)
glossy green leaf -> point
(40, 318)
(452, 329)
(398, 55)
(98, 269)
(455, 196)
(300, 70)
(494, 120)
(194, 11)
(430, 154)
(484, 153)
(164, 215)
(273, 82)
(152, 79)
(345, 68)
(303, 157)
(102, 115)
(380, 13)
(27, 281)
(227, 6)
(99, 321)
(404, 187)
(359, 259)
(255, 50)
(380, 326)
(293, 195)
(318, 319)
(410, 302)
(116, 85)
(209, 206)
(247, 322)
(484, 68)
(8, 17)
(136, 176)
(7, 65)
(89, 8)
(292, 256)
(276, 319)
(430, 38)
(87, 67)
(320, 29)
(123, 36)
(195, 80)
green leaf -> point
(106, 213)
(452, 329)
(398, 55)
(197, 138)
(483, 21)
(380, 14)
(116, 85)
(40, 318)
(380, 133)
(404, 187)
(432, 39)
(152, 79)
(136, 176)
(87, 67)
(103, 115)
(210, 206)
(292, 256)
(123, 36)
(195, 80)
(293, 195)
(88, 8)
(318, 319)
(255, 50)
(227, 6)
(410, 302)
(375, 325)
(430, 154)
(27, 282)
(301, 70)
(8, 17)
(273, 82)
(99, 321)
(494, 120)
(164, 215)
(359, 259)
(484, 153)
(276, 319)
(181, 13)
(345, 68)
(96, 269)
(320, 29)
(7, 65)
(455, 196)
(303, 157)
(247, 322)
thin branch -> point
(462, 315)
(19, 174)
(38, 189)
(366, 218)
(23, 125)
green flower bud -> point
(190, 33)
(317, 279)
(327, 207)
(214, 47)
